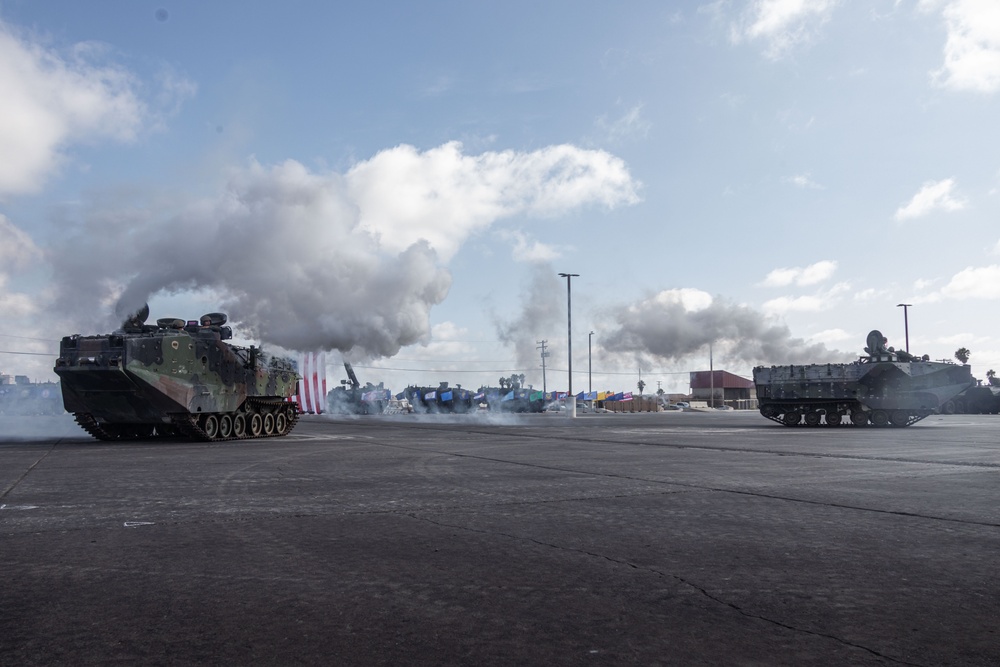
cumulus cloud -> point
(782, 25)
(974, 283)
(53, 99)
(808, 275)
(526, 249)
(933, 196)
(310, 260)
(442, 196)
(812, 303)
(972, 48)
(677, 323)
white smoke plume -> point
(309, 260)
(677, 323)
(543, 309)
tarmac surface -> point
(671, 538)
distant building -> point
(730, 390)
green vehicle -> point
(886, 387)
(175, 378)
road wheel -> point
(791, 418)
(225, 426)
(280, 424)
(859, 418)
(899, 418)
(268, 424)
(239, 425)
(813, 418)
(256, 424)
(833, 418)
(210, 425)
(880, 418)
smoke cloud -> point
(677, 323)
(543, 308)
(309, 260)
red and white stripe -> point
(312, 386)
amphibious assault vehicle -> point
(175, 378)
(886, 387)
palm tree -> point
(963, 354)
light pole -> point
(906, 322)
(590, 364)
(570, 397)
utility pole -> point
(590, 366)
(541, 346)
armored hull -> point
(175, 378)
(881, 389)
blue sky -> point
(403, 182)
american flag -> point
(312, 386)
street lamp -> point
(570, 397)
(906, 322)
(590, 364)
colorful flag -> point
(447, 396)
(627, 396)
(430, 396)
(312, 386)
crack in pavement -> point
(681, 580)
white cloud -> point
(690, 298)
(52, 100)
(933, 196)
(809, 275)
(526, 249)
(782, 24)
(972, 48)
(442, 196)
(355, 260)
(631, 125)
(800, 304)
(974, 283)
(812, 303)
(804, 181)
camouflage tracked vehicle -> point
(884, 388)
(175, 378)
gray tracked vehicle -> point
(887, 387)
(175, 378)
